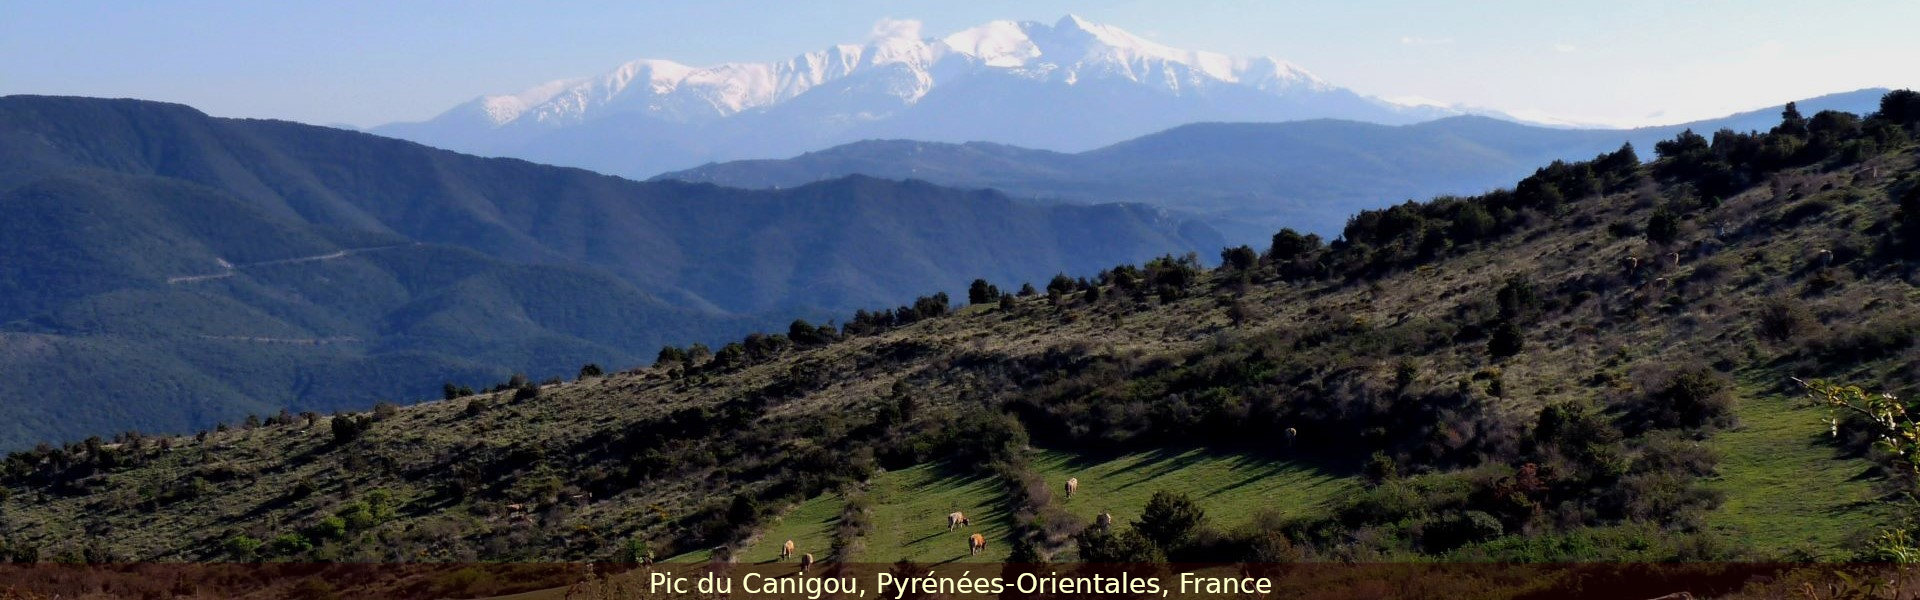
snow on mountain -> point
(1071, 85)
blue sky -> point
(365, 63)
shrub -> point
(328, 528)
(290, 544)
(1103, 546)
(1505, 341)
(1459, 529)
(1239, 259)
(347, 428)
(1289, 244)
(635, 550)
(241, 547)
(450, 391)
(1690, 397)
(591, 370)
(981, 292)
(1663, 227)
(1381, 468)
(1780, 319)
(1170, 520)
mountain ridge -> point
(1250, 178)
(229, 264)
(985, 82)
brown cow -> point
(1291, 434)
(1104, 520)
(786, 550)
(806, 560)
(1073, 485)
(955, 519)
(976, 544)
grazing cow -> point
(1073, 485)
(786, 550)
(1104, 520)
(806, 560)
(1291, 434)
(976, 544)
(955, 519)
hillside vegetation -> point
(1592, 365)
(166, 271)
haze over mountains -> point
(1250, 179)
(165, 269)
(1070, 86)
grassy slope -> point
(1786, 487)
(910, 508)
(1230, 487)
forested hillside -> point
(1248, 178)
(1596, 364)
(165, 270)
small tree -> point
(636, 550)
(347, 428)
(1170, 520)
(242, 547)
(290, 544)
(669, 356)
(591, 370)
(1516, 298)
(1506, 340)
(1238, 259)
(1289, 244)
(981, 292)
(1906, 223)
(1663, 227)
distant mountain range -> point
(1250, 179)
(164, 269)
(1070, 86)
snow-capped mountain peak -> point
(1068, 51)
(1068, 85)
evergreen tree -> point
(1506, 340)
(1663, 227)
(981, 292)
(1169, 520)
(1238, 259)
(1289, 244)
(1906, 223)
(1791, 123)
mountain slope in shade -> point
(1072, 85)
(1251, 178)
(164, 269)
